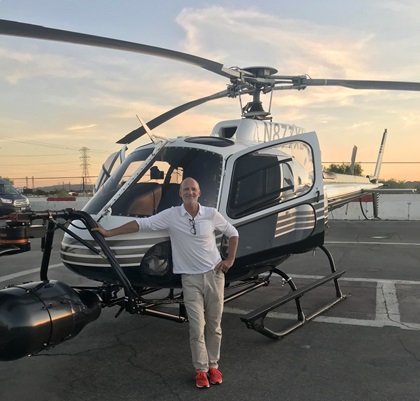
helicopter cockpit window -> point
(157, 187)
(118, 179)
(269, 177)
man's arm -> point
(226, 264)
(232, 248)
(127, 228)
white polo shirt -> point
(191, 253)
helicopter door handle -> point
(318, 193)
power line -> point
(372, 162)
(38, 155)
(52, 178)
(48, 145)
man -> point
(195, 256)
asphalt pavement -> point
(365, 348)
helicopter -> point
(265, 177)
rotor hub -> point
(261, 72)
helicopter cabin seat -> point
(170, 197)
(146, 197)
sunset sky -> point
(57, 98)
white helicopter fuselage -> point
(271, 191)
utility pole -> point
(85, 167)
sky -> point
(56, 98)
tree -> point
(393, 183)
(401, 184)
(396, 184)
(7, 179)
(344, 168)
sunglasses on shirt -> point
(192, 226)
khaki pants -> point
(203, 297)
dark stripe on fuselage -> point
(264, 242)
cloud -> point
(322, 50)
(250, 36)
(406, 7)
(67, 90)
(301, 46)
(19, 66)
(81, 127)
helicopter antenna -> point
(353, 160)
(375, 177)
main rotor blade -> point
(137, 133)
(357, 84)
(21, 29)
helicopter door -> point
(273, 193)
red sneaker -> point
(215, 376)
(201, 380)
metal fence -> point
(40, 185)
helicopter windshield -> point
(155, 187)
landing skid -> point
(241, 288)
(255, 319)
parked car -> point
(11, 200)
